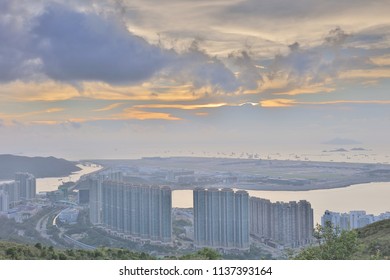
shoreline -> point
(277, 188)
(52, 183)
(324, 186)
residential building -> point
(4, 202)
(351, 220)
(11, 188)
(27, 185)
(136, 212)
(221, 218)
(288, 224)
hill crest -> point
(40, 167)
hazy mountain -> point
(40, 167)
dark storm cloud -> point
(72, 46)
(76, 46)
(16, 60)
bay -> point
(52, 184)
(374, 198)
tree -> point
(331, 245)
(203, 254)
(38, 246)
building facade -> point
(11, 188)
(136, 212)
(27, 185)
(4, 202)
(289, 224)
(95, 199)
(351, 220)
(221, 218)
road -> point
(41, 226)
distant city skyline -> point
(352, 220)
(123, 79)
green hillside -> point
(370, 242)
(374, 241)
(17, 251)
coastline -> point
(312, 187)
(52, 183)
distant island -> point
(40, 167)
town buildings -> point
(351, 220)
(12, 192)
(221, 218)
(27, 185)
(136, 212)
(286, 223)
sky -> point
(125, 79)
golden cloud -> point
(310, 89)
(381, 60)
(31, 91)
(277, 103)
(131, 113)
(379, 73)
(292, 102)
(181, 106)
(109, 107)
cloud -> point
(71, 124)
(380, 73)
(131, 113)
(72, 46)
(383, 60)
(16, 59)
(310, 69)
(89, 46)
(29, 115)
(306, 89)
(45, 122)
(279, 102)
(37, 91)
(283, 102)
(198, 68)
(109, 107)
(336, 37)
(54, 110)
(75, 46)
(181, 106)
(249, 73)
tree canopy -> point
(332, 244)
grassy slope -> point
(374, 241)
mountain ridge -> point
(40, 167)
